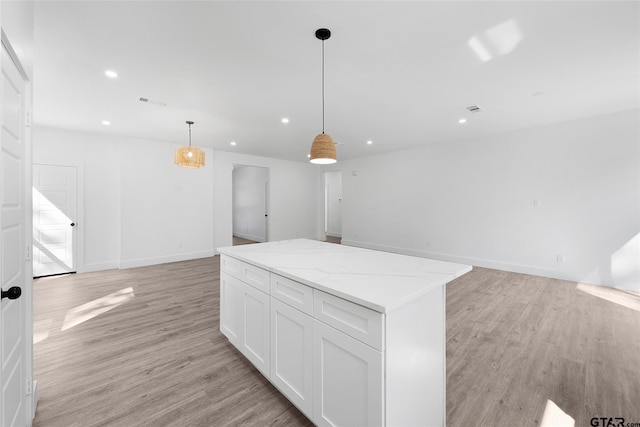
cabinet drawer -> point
(292, 293)
(249, 274)
(354, 320)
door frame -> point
(31, 397)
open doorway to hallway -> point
(333, 206)
(250, 201)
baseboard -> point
(88, 268)
(34, 399)
(143, 262)
(255, 238)
(498, 265)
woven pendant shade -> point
(189, 157)
(323, 150)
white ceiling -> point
(397, 73)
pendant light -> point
(189, 157)
(323, 150)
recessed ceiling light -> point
(106, 122)
(462, 121)
(232, 143)
(285, 120)
(111, 74)
(369, 142)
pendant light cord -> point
(189, 122)
(322, 86)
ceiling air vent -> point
(473, 109)
(150, 101)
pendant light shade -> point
(189, 157)
(323, 150)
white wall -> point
(471, 201)
(475, 201)
(294, 197)
(135, 207)
(166, 210)
(249, 198)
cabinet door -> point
(291, 354)
(231, 308)
(348, 380)
(255, 339)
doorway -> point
(54, 220)
(250, 201)
(333, 205)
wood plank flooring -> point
(242, 241)
(152, 354)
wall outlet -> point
(560, 259)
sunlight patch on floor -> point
(621, 297)
(41, 330)
(555, 417)
(94, 308)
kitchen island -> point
(351, 336)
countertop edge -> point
(350, 297)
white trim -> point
(142, 262)
(34, 399)
(14, 57)
(88, 268)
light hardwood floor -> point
(242, 241)
(153, 355)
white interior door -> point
(13, 348)
(54, 216)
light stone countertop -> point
(378, 280)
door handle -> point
(73, 224)
(13, 293)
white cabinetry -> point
(255, 340)
(244, 311)
(291, 354)
(231, 310)
(350, 336)
(328, 366)
(348, 380)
